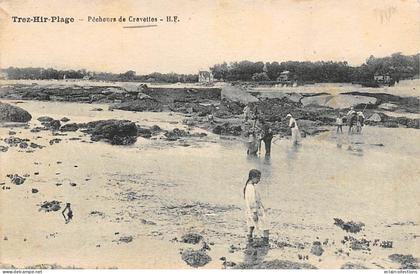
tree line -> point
(398, 66)
(50, 73)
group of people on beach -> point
(355, 121)
(260, 131)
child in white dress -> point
(254, 208)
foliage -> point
(50, 73)
(398, 66)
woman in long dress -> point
(296, 138)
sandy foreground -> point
(132, 204)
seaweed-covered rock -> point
(15, 141)
(406, 261)
(44, 119)
(115, 132)
(144, 132)
(195, 258)
(52, 125)
(317, 249)
(351, 226)
(191, 238)
(275, 264)
(9, 113)
(175, 134)
(350, 265)
(145, 104)
(50, 206)
(227, 129)
(70, 127)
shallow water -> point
(199, 187)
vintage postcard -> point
(205, 134)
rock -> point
(388, 106)
(4, 149)
(375, 117)
(52, 125)
(316, 249)
(350, 265)
(37, 129)
(14, 141)
(12, 132)
(125, 239)
(195, 258)
(34, 145)
(413, 123)
(391, 124)
(144, 132)
(96, 109)
(54, 141)
(175, 134)
(64, 119)
(116, 132)
(146, 104)
(34, 190)
(146, 222)
(275, 264)
(406, 261)
(50, 206)
(70, 127)
(351, 226)
(9, 113)
(23, 145)
(386, 244)
(44, 119)
(191, 238)
(16, 179)
(227, 129)
(361, 244)
(155, 129)
(339, 101)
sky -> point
(208, 32)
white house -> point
(284, 76)
(205, 76)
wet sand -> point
(156, 191)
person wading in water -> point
(266, 136)
(295, 130)
(255, 211)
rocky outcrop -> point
(70, 127)
(227, 129)
(9, 113)
(340, 101)
(146, 104)
(195, 258)
(115, 132)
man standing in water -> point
(266, 136)
(351, 119)
(360, 119)
(295, 129)
(254, 208)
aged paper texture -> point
(209, 134)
